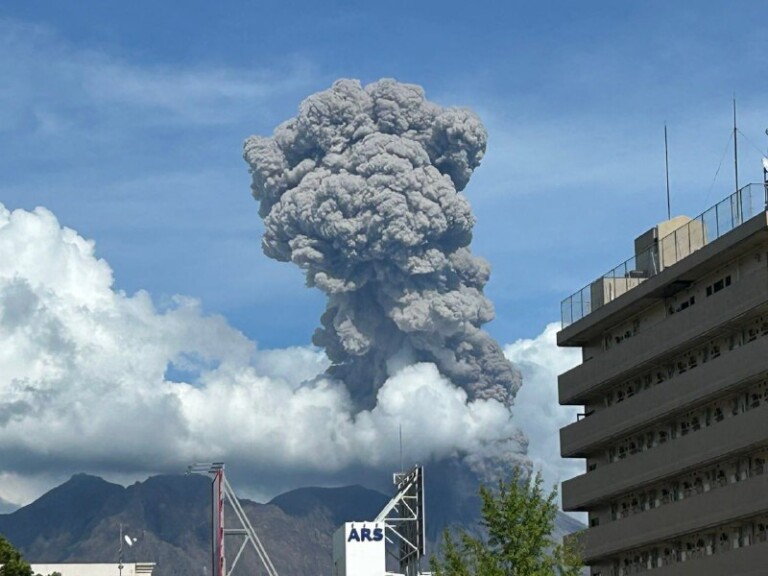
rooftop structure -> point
(674, 384)
(95, 569)
(399, 531)
(663, 246)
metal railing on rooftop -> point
(691, 236)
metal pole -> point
(120, 553)
(735, 146)
(217, 524)
(666, 166)
(717, 220)
(765, 185)
(765, 174)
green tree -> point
(517, 523)
(12, 561)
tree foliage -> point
(517, 522)
(13, 564)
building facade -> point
(674, 384)
(95, 569)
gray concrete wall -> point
(642, 336)
(706, 446)
(749, 561)
(667, 338)
(696, 513)
(676, 395)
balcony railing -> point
(691, 236)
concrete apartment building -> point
(674, 384)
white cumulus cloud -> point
(93, 379)
(537, 410)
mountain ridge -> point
(80, 521)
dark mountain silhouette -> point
(80, 521)
(61, 518)
(343, 504)
(7, 507)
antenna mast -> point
(735, 146)
(765, 174)
(405, 521)
(666, 166)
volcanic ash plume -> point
(361, 190)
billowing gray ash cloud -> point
(362, 191)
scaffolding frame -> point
(221, 493)
(404, 521)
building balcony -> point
(679, 394)
(694, 514)
(707, 446)
(749, 559)
(667, 338)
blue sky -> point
(126, 121)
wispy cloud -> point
(144, 154)
(200, 96)
(52, 85)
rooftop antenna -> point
(405, 521)
(401, 448)
(666, 166)
(765, 174)
(735, 146)
(124, 538)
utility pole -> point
(735, 146)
